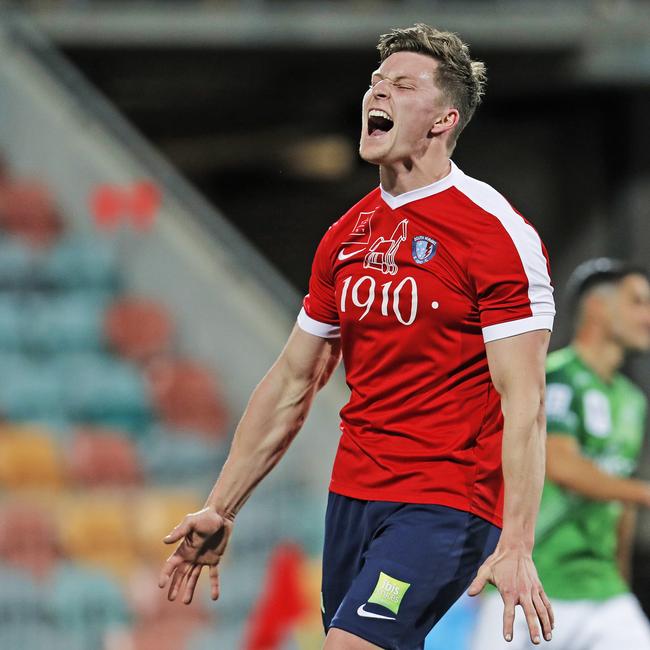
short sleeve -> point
(319, 314)
(561, 412)
(510, 271)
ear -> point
(445, 122)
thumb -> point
(477, 585)
(184, 528)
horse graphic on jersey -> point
(381, 255)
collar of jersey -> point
(444, 183)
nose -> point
(381, 90)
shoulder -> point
(493, 207)
(631, 391)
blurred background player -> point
(596, 422)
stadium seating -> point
(95, 530)
(29, 458)
(138, 329)
(11, 322)
(99, 457)
(173, 458)
(68, 322)
(99, 426)
(79, 262)
(27, 211)
(186, 396)
(103, 391)
(17, 264)
(87, 604)
(28, 537)
(155, 514)
(30, 390)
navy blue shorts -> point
(391, 570)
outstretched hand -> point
(514, 574)
(204, 536)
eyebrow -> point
(400, 77)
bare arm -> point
(275, 413)
(566, 466)
(277, 409)
(517, 370)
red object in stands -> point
(28, 537)
(282, 602)
(186, 396)
(139, 329)
(28, 211)
(103, 457)
(136, 205)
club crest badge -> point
(423, 248)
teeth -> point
(377, 113)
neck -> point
(413, 174)
(602, 355)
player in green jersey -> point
(596, 423)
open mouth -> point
(379, 122)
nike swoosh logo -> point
(344, 256)
(362, 612)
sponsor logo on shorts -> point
(389, 592)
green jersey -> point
(576, 538)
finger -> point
(215, 587)
(531, 619)
(478, 583)
(508, 617)
(177, 580)
(192, 579)
(171, 564)
(542, 615)
(549, 607)
(184, 528)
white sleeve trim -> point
(515, 327)
(315, 327)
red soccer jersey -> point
(415, 285)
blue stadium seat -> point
(16, 264)
(103, 391)
(79, 262)
(29, 391)
(86, 604)
(11, 322)
(26, 617)
(180, 458)
(68, 322)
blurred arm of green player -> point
(275, 413)
(568, 467)
(625, 545)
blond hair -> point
(458, 77)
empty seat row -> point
(80, 387)
(33, 458)
(112, 530)
(76, 262)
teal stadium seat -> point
(11, 322)
(29, 391)
(16, 264)
(63, 323)
(27, 620)
(172, 458)
(87, 604)
(103, 391)
(81, 262)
